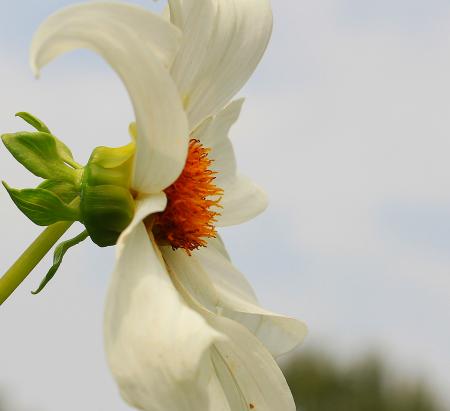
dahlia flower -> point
(183, 328)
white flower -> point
(183, 332)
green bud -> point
(107, 206)
(97, 195)
(41, 206)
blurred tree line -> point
(319, 383)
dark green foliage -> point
(319, 384)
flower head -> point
(183, 328)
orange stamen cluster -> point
(189, 217)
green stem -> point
(30, 258)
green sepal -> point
(67, 192)
(58, 256)
(106, 211)
(67, 156)
(107, 205)
(33, 121)
(39, 153)
(41, 206)
(63, 151)
(111, 166)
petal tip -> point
(36, 72)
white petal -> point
(176, 12)
(138, 45)
(214, 134)
(157, 347)
(248, 373)
(213, 282)
(219, 245)
(223, 42)
(145, 206)
(250, 376)
(279, 333)
(242, 199)
(218, 399)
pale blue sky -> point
(353, 152)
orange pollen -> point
(189, 217)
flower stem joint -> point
(97, 195)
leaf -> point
(33, 121)
(64, 190)
(58, 256)
(42, 206)
(63, 151)
(39, 152)
(66, 155)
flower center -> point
(189, 217)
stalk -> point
(30, 258)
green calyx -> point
(47, 157)
(97, 195)
(107, 206)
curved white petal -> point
(176, 12)
(242, 199)
(213, 282)
(223, 42)
(279, 333)
(138, 45)
(250, 376)
(213, 133)
(157, 347)
(247, 372)
(145, 206)
(218, 398)
(219, 245)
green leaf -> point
(42, 206)
(33, 121)
(66, 155)
(64, 190)
(39, 153)
(58, 256)
(63, 151)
